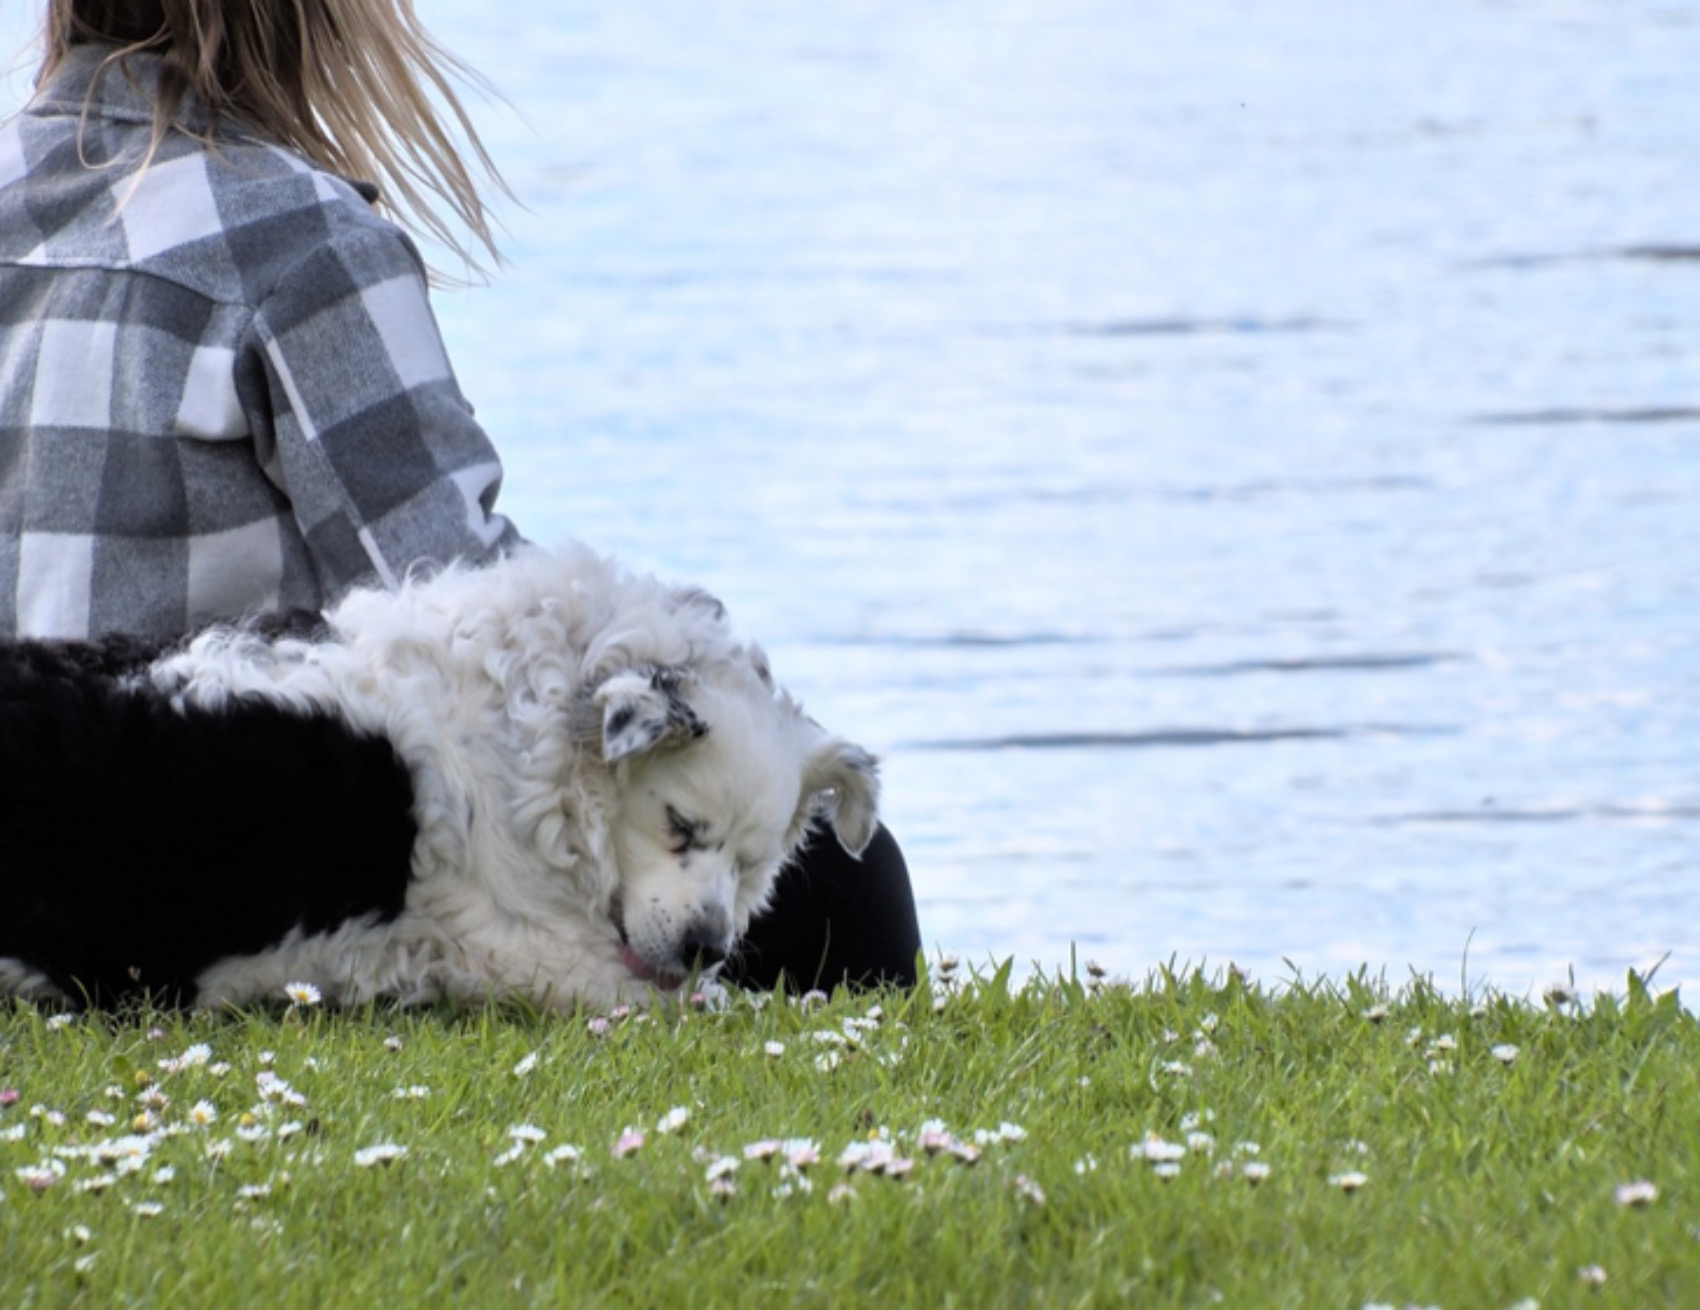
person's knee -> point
(836, 919)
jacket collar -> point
(123, 90)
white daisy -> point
(382, 1153)
(1636, 1194)
(723, 1166)
(302, 993)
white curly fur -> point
(545, 866)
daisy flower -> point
(382, 1153)
(566, 1153)
(193, 1058)
(1504, 1053)
(1157, 1151)
(774, 1049)
(525, 1066)
(1350, 1181)
(631, 1140)
(39, 1177)
(870, 1157)
(801, 1152)
(302, 993)
(528, 1133)
(673, 1120)
(202, 1114)
(723, 1166)
(1636, 1194)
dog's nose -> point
(703, 947)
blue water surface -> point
(1239, 464)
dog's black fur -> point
(140, 843)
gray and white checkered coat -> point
(222, 389)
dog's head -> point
(718, 776)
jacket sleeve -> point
(367, 433)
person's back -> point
(222, 391)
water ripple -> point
(1176, 737)
(1633, 414)
(1369, 663)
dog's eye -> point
(686, 834)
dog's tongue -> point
(643, 969)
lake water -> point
(1238, 463)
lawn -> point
(1184, 1140)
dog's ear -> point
(643, 708)
(841, 783)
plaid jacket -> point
(222, 389)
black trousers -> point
(834, 919)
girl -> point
(222, 389)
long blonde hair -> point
(347, 84)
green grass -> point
(1490, 1179)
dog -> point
(548, 778)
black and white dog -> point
(549, 778)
